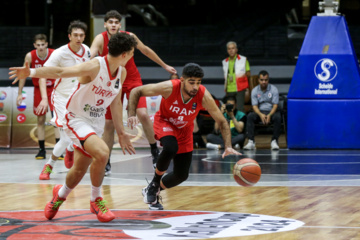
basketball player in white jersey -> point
(112, 25)
(73, 53)
(100, 85)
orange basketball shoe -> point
(45, 173)
(53, 206)
(69, 159)
(102, 212)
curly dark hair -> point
(192, 70)
(77, 24)
(120, 43)
(112, 14)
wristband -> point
(32, 72)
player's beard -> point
(191, 93)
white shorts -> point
(59, 103)
(79, 129)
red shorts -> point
(184, 136)
(141, 103)
(37, 99)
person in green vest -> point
(236, 74)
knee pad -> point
(171, 180)
(170, 148)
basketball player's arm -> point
(96, 46)
(148, 52)
(116, 108)
(43, 105)
(22, 81)
(210, 105)
(216, 126)
(87, 71)
(162, 88)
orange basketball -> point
(247, 172)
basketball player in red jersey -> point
(173, 125)
(42, 90)
(112, 24)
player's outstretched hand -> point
(132, 122)
(170, 69)
(19, 72)
(125, 143)
(230, 151)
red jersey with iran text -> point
(37, 62)
(176, 118)
(133, 78)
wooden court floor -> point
(318, 188)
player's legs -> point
(40, 124)
(108, 135)
(73, 177)
(40, 128)
(57, 133)
(180, 173)
(147, 124)
(59, 148)
(108, 138)
(170, 148)
(56, 129)
(78, 170)
(51, 106)
(99, 150)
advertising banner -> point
(5, 116)
(24, 122)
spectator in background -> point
(237, 74)
(174, 76)
(42, 90)
(264, 100)
(236, 120)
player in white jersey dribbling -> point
(100, 83)
(73, 53)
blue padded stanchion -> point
(324, 95)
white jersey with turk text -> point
(90, 100)
(65, 57)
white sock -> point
(51, 162)
(64, 191)
(95, 193)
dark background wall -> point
(194, 30)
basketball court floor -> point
(302, 194)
